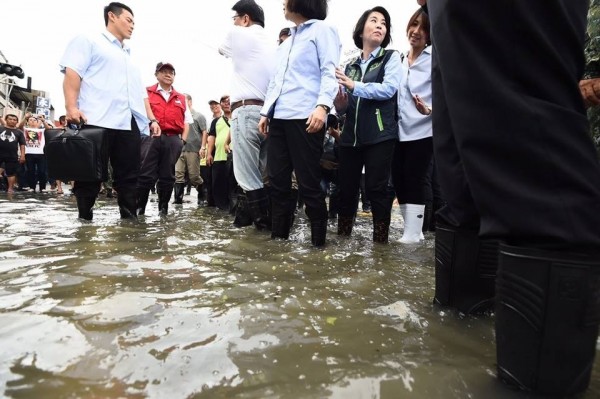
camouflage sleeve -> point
(592, 44)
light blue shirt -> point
(416, 80)
(391, 80)
(305, 73)
(111, 87)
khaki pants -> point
(191, 161)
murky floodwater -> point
(189, 306)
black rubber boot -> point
(547, 317)
(142, 200)
(85, 206)
(345, 224)
(318, 232)
(295, 196)
(280, 226)
(260, 208)
(164, 196)
(435, 207)
(127, 201)
(178, 192)
(201, 195)
(381, 231)
(465, 270)
(427, 216)
(242, 213)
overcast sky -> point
(186, 33)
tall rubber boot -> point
(427, 217)
(85, 206)
(547, 317)
(345, 224)
(142, 200)
(259, 207)
(465, 270)
(164, 196)
(436, 206)
(381, 231)
(413, 223)
(201, 195)
(127, 201)
(280, 227)
(295, 196)
(178, 189)
(318, 232)
(242, 213)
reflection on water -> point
(189, 306)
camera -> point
(333, 121)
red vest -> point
(170, 114)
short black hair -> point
(250, 8)
(13, 115)
(360, 27)
(115, 8)
(311, 9)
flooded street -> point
(190, 307)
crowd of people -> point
(511, 178)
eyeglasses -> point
(237, 16)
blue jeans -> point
(249, 148)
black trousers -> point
(511, 138)
(223, 184)
(123, 150)
(377, 160)
(410, 168)
(37, 170)
(292, 148)
(159, 155)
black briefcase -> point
(76, 154)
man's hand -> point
(227, 148)
(263, 125)
(22, 159)
(155, 129)
(316, 120)
(590, 91)
(74, 115)
(209, 159)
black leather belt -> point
(238, 104)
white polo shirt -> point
(252, 52)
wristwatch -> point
(325, 107)
(153, 120)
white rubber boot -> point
(413, 216)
